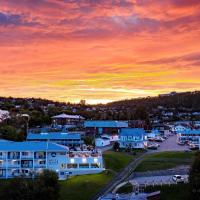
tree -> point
(47, 186)
(194, 179)
(18, 189)
(89, 140)
(116, 146)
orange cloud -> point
(98, 50)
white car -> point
(178, 179)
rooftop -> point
(31, 146)
(65, 116)
(132, 132)
(53, 136)
(106, 124)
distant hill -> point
(188, 100)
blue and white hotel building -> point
(29, 159)
(133, 137)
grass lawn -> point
(116, 160)
(83, 187)
(173, 192)
(164, 160)
(127, 188)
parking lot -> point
(170, 144)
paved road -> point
(156, 180)
(119, 178)
(168, 145)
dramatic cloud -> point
(98, 50)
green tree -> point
(18, 189)
(194, 179)
(116, 146)
(47, 186)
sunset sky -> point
(98, 50)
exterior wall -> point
(64, 121)
(29, 163)
(132, 144)
(194, 138)
(132, 138)
(100, 131)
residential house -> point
(99, 127)
(133, 138)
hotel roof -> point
(53, 136)
(106, 124)
(31, 146)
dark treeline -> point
(45, 186)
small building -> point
(179, 128)
(99, 127)
(111, 137)
(4, 114)
(63, 119)
(191, 136)
(133, 138)
(66, 139)
(101, 142)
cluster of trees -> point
(46, 186)
(194, 179)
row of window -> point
(83, 165)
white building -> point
(101, 142)
(4, 114)
(31, 158)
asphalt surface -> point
(171, 145)
(156, 180)
(168, 145)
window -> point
(24, 153)
(95, 165)
(85, 165)
(42, 162)
(69, 166)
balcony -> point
(26, 165)
(13, 156)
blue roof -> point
(3, 140)
(31, 146)
(53, 136)
(139, 132)
(106, 124)
(189, 131)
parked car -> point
(153, 146)
(159, 139)
(151, 139)
(194, 147)
(178, 179)
(181, 143)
